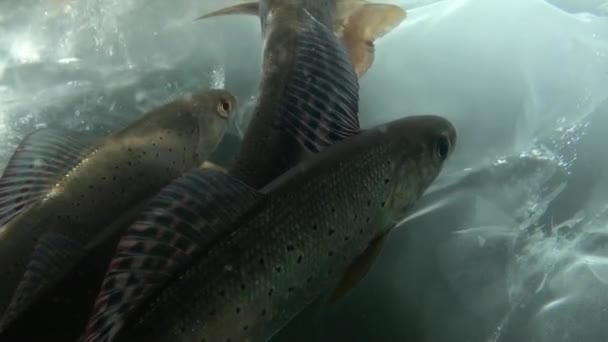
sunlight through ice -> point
(24, 51)
(218, 78)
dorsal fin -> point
(39, 161)
(179, 223)
(52, 251)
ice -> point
(511, 242)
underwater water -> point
(511, 242)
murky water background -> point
(511, 244)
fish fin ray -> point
(46, 265)
(248, 8)
(320, 106)
(38, 162)
(357, 270)
(362, 27)
(179, 223)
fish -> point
(308, 95)
(356, 23)
(213, 259)
(61, 189)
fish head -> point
(418, 147)
(213, 109)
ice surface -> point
(511, 244)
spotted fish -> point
(61, 189)
(212, 259)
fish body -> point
(307, 86)
(51, 229)
(315, 228)
(308, 97)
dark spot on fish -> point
(154, 144)
(156, 156)
(238, 310)
(382, 204)
(229, 340)
(261, 262)
(346, 238)
(331, 232)
(386, 180)
(290, 248)
(331, 253)
(369, 203)
(333, 210)
(114, 178)
(291, 289)
(222, 293)
(170, 149)
(278, 269)
(174, 162)
(309, 279)
(360, 231)
(263, 312)
(129, 149)
(212, 313)
(246, 328)
(314, 226)
(367, 219)
(160, 138)
(129, 163)
(355, 218)
(299, 259)
(270, 292)
(242, 286)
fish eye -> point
(443, 147)
(224, 107)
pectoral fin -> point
(248, 8)
(357, 270)
(363, 25)
(39, 161)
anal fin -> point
(38, 162)
(178, 224)
(249, 8)
(365, 24)
(46, 265)
(357, 270)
